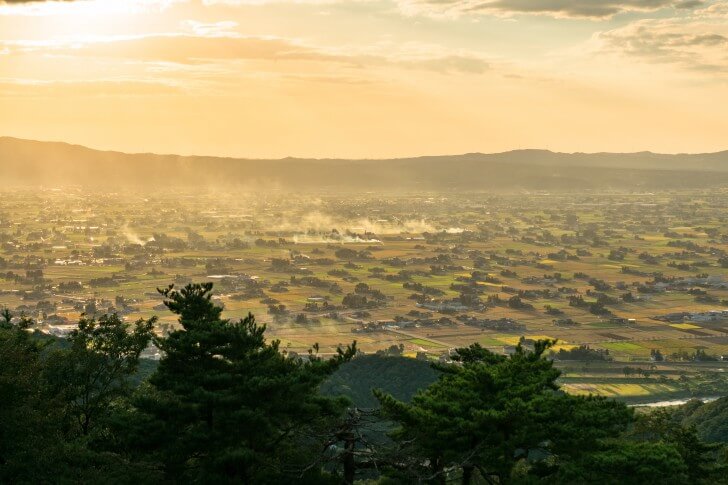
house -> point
(709, 316)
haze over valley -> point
(44, 163)
(364, 242)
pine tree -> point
(498, 417)
(226, 406)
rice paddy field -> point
(638, 281)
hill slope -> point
(401, 377)
(50, 163)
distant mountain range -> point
(26, 162)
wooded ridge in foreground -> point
(225, 406)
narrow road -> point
(414, 335)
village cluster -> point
(620, 278)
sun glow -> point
(58, 23)
(275, 78)
(84, 8)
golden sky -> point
(366, 78)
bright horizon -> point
(366, 78)
(414, 155)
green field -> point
(427, 271)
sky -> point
(366, 78)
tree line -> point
(224, 405)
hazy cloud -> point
(698, 42)
(177, 48)
(85, 8)
(15, 88)
(718, 10)
(454, 63)
(688, 4)
(596, 9)
(215, 43)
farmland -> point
(631, 285)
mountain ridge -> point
(30, 162)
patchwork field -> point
(618, 280)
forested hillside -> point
(401, 377)
(709, 419)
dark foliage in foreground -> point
(226, 406)
(400, 376)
